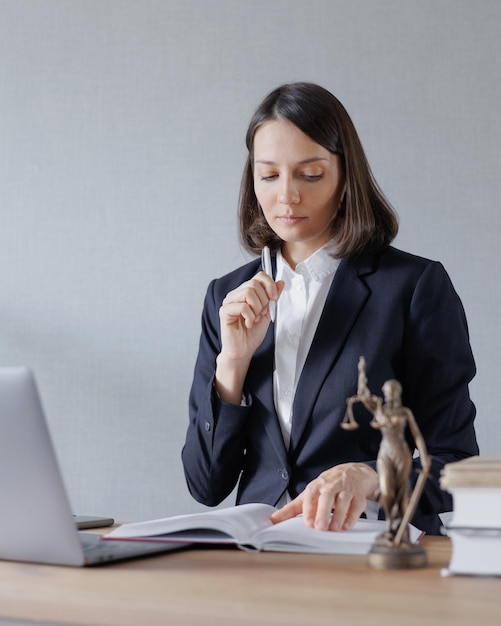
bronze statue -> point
(393, 465)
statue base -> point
(404, 556)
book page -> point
(294, 536)
(240, 523)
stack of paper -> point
(475, 527)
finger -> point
(248, 301)
(354, 508)
(231, 313)
(325, 504)
(256, 292)
(341, 508)
(354, 512)
(291, 509)
(269, 285)
(273, 290)
(310, 503)
(249, 297)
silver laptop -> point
(36, 521)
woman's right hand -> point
(244, 318)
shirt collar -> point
(319, 265)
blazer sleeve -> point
(214, 448)
(438, 368)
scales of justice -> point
(392, 549)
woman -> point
(268, 399)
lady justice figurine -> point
(392, 549)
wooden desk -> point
(230, 587)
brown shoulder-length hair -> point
(365, 220)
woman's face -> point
(299, 185)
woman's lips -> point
(290, 220)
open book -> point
(249, 527)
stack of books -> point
(475, 525)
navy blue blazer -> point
(403, 315)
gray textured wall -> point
(121, 148)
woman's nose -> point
(289, 193)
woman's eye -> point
(268, 177)
(312, 177)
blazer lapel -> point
(346, 298)
(262, 382)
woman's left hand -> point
(334, 500)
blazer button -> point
(285, 475)
(207, 426)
